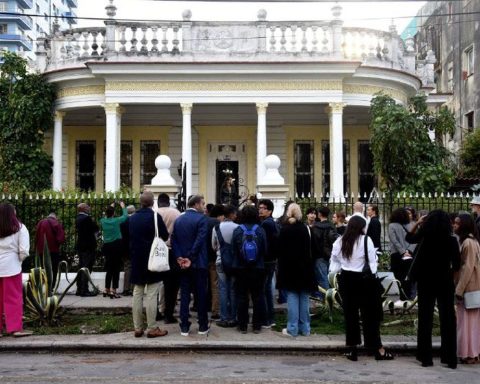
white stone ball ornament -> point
(163, 176)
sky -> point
(376, 15)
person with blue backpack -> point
(222, 243)
(249, 248)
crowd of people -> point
(227, 258)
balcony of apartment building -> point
(70, 16)
(16, 15)
(25, 4)
(17, 40)
(72, 3)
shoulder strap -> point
(244, 229)
(219, 235)
(254, 228)
(365, 250)
(155, 219)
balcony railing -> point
(23, 21)
(25, 4)
(18, 39)
(72, 3)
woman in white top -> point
(14, 248)
(348, 258)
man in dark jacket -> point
(475, 204)
(51, 230)
(141, 228)
(265, 210)
(87, 230)
(189, 246)
(323, 237)
(249, 276)
(374, 230)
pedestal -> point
(278, 194)
(171, 190)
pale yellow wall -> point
(227, 134)
(317, 134)
(97, 134)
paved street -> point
(220, 368)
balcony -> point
(25, 4)
(71, 17)
(23, 21)
(17, 39)
(72, 3)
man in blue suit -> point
(189, 246)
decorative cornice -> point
(81, 91)
(372, 89)
(262, 108)
(320, 85)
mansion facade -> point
(218, 97)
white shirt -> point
(226, 228)
(357, 260)
(13, 250)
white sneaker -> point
(266, 326)
(184, 333)
(285, 332)
(204, 332)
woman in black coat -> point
(438, 256)
(295, 271)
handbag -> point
(471, 300)
(373, 280)
(158, 259)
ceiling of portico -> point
(218, 114)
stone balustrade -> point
(235, 41)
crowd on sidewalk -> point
(227, 259)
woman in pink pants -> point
(14, 247)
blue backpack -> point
(249, 248)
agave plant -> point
(332, 296)
(40, 298)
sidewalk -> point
(218, 340)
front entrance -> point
(227, 171)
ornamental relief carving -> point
(224, 39)
(371, 90)
(325, 85)
(81, 91)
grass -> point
(321, 325)
(90, 323)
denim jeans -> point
(195, 279)
(228, 304)
(321, 274)
(269, 309)
(298, 318)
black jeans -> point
(113, 263)
(250, 283)
(357, 298)
(86, 260)
(400, 270)
(171, 282)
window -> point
(3, 6)
(366, 176)
(125, 162)
(470, 121)
(326, 166)
(304, 168)
(85, 165)
(38, 9)
(149, 150)
(450, 77)
(3, 29)
(468, 62)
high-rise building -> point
(22, 21)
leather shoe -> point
(156, 332)
(170, 320)
(138, 333)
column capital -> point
(262, 108)
(335, 107)
(59, 115)
(112, 108)
(186, 108)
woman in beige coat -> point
(467, 280)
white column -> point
(335, 111)
(112, 150)
(187, 146)
(57, 151)
(261, 141)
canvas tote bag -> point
(158, 259)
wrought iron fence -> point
(31, 208)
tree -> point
(470, 155)
(404, 155)
(26, 106)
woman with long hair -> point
(437, 258)
(14, 248)
(348, 258)
(401, 251)
(295, 271)
(467, 280)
